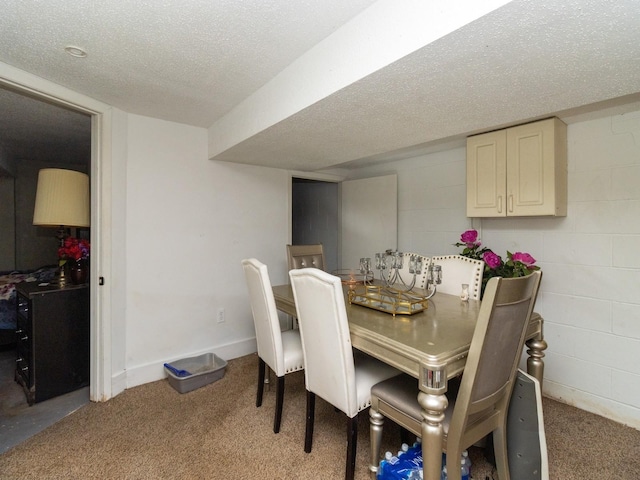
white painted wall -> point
(590, 259)
(190, 221)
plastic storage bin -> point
(203, 370)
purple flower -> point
(492, 260)
(523, 258)
(470, 238)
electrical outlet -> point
(221, 318)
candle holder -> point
(391, 265)
(396, 291)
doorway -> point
(36, 134)
(102, 178)
(315, 217)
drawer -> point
(23, 307)
(23, 369)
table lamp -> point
(62, 201)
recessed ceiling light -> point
(75, 51)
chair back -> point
(326, 343)
(457, 270)
(265, 315)
(305, 256)
(494, 354)
(405, 277)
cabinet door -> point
(486, 174)
(536, 169)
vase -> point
(79, 272)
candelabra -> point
(400, 290)
(404, 272)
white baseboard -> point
(605, 407)
(152, 372)
(118, 383)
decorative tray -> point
(351, 277)
(387, 299)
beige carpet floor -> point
(216, 432)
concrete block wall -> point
(590, 259)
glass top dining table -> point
(431, 346)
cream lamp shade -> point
(62, 199)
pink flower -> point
(523, 258)
(492, 260)
(470, 238)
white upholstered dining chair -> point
(281, 351)
(480, 405)
(457, 270)
(333, 371)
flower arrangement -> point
(517, 264)
(74, 249)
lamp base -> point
(61, 278)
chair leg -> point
(261, 369)
(376, 421)
(454, 453)
(311, 407)
(279, 403)
(500, 452)
(352, 444)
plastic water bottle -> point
(383, 465)
(387, 466)
(464, 471)
(407, 464)
(443, 475)
(467, 460)
(416, 474)
(410, 462)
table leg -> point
(535, 364)
(433, 401)
(433, 407)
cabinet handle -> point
(511, 203)
(500, 204)
(25, 338)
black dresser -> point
(52, 339)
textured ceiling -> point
(196, 61)
(189, 61)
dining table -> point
(431, 345)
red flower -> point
(74, 249)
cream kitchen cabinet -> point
(518, 171)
